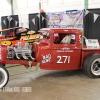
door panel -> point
(66, 57)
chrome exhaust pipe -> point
(17, 56)
(24, 56)
(31, 57)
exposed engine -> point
(20, 52)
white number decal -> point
(59, 59)
(66, 58)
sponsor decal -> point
(46, 58)
(65, 50)
(29, 37)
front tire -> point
(4, 76)
(91, 65)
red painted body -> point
(53, 56)
(76, 52)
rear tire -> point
(4, 76)
(91, 66)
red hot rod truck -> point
(57, 49)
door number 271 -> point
(63, 59)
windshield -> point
(45, 35)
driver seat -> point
(66, 39)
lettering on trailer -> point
(63, 59)
(46, 58)
(65, 50)
(6, 43)
(29, 37)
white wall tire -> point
(91, 66)
(95, 67)
(4, 76)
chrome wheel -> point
(91, 65)
(95, 67)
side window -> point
(62, 38)
(45, 35)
